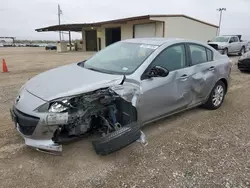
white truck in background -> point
(228, 44)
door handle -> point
(211, 68)
(184, 77)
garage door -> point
(144, 30)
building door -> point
(112, 35)
(91, 40)
(144, 30)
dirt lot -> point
(197, 148)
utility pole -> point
(59, 20)
(220, 10)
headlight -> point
(59, 106)
(55, 106)
(220, 47)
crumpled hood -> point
(219, 43)
(69, 80)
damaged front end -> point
(102, 110)
(110, 113)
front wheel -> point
(242, 51)
(216, 96)
(225, 51)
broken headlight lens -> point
(59, 106)
(221, 47)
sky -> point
(20, 18)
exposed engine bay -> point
(102, 111)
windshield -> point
(120, 58)
(220, 39)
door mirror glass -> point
(158, 71)
(231, 41)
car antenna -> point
(124, 77)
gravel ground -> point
(196, 148)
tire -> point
(242, 50)
(117, 140)
(225, 51)
(210, 103)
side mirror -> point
(157, 71)
(230, 41)
(208, 41)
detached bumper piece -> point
(244, 65)
(117, 140)
(26, 123)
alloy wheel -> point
(218, 95)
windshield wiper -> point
(94, 69)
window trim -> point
(187, 59)
(212, 58)
(206, 48)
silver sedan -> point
(119, 89)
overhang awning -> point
(78, 27)
(64, 27)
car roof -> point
(161, 41)
(228, 36)
(151, 41)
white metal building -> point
(96, 36)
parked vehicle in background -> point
(228, 44)
(20, 45)
(121, 88)
(244, 62)
(248, 46)
(32, 45)
(50, 47)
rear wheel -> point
(216, 96)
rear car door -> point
(231, 46)
(204, 70)
(237, 44)
(164, 95)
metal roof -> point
(79, 26)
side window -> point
(209, 55)
(172, 58)
(231, 40)
(236, 39)
(198, 54)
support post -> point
(69, 41)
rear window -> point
(209, 55)
(198, 54)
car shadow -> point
(169, 122)
(233, 55)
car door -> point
(237, 44)
(231, 47)
(203, 72)
(164, 95)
